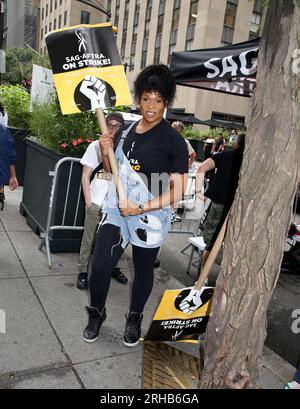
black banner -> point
(231, 69)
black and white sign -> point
(230, 69)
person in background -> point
(219, 145)
(221, 191)
(207, 147)
(179, 127)
(95, 186)
(3, 116)
(208, 152)
(233, 136)
(7, 163)
(148, 150)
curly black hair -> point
(156, 78)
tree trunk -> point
(261, 212)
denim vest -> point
(147, 230)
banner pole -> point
(111, 156)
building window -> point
(230, 13)
(175, 18)
(227, 36)
(159, 30)
(134, 34)
(117, 13)
(42, 34)
(125, 25)
(172, 48)
(229, 22)
(65, 17)
(55, 5)
(85, 17)
(256, 19)
(60, 1)
(131, 62)
(43, 13)
(50, 26)
(46, 10)
(144, 54)
(190, 32)
(174, 28)
(108, 8)
(59, 21)
(157, 49)
(46, 30)
(193, 12)
(54, 25)
(51, 4)
(146, 33)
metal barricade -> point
(189, 214)
(69, 213)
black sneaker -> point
(82, 281)
(119, 276)
(133, 329)
(96, 319)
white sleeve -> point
(92, 156)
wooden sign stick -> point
(212, 256)
(111, 156)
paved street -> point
(43, 347)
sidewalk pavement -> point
(42, 347)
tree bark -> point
(261, 212)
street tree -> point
(19, 65)
(262, 209)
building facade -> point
(150, 30)
(55, 14)
(21, 23)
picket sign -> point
(88, 75)
(182, 314)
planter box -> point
(36, 196)
(19, 136)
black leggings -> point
(107, 252)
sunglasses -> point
(116, 126)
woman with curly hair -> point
(153, 163)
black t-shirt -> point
(225, 182)
(155, 154)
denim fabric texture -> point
(147, 230)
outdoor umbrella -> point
(222, 124)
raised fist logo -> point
(94, 89)
(93, 92)
(192, 302)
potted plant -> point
(16, 100)
(55, 136)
